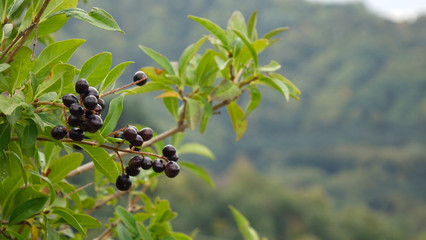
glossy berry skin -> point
(169, 150)
(102, 103)
(172, 169)
(146, 133)
(174, 158)
(90, 102)
(95, 123)
(130, 134)
(98, 109)
(85, 126)
(123, 183)
(81, 86)
(69, 99)
(91, 92)
(146, 163)
(76, 109)
(135, 162)
(132, 171)
(58, 132)
(158, 165)
(138, 141)
(76, 134)
(74, 121)
(139, 75)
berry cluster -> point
(85, 112)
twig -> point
(121, 88)
(4, 234)
(48, 103)
(106, 200)
(79, 189)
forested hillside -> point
(357, 135)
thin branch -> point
(4, 234)
(79, 189)
(106, 200)
(48, 103)
(123, 87)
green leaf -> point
(113, 75)
(20, 68)
(143, 232)
(274, 32)
(58, 52)
(69, 217)
(294, 91)
(114, 113)
(60, 167)
(206, 71)
(197, 170)
(28, 134)
(271, 67)
(193, 112)
(213, 28)
(237, 21)
(255, 98)
(96, 16)
(159, 59)
(104, 163)
(172, 105)
(276, 84)
(127, 218)
(248, 45)
(4, 66)
(149, 87)
(96, 68)
(27, 209)
(4, 135)
(123, 233)
(188, 54)
(207, 113)
(87, 221)
(52, 191)
(196, 148)
(237, 119)
(243, 224)
(225, 90)
(251, 26)
(62, 75)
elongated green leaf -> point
(96, 16)
(159, 59)
(248, 45)
(237, 21)
(87, 221)
(294, 91)
(271, 67)
(181, 236)
(225, 90)
(255, 98)
(4, 135)
(193, 112)
(104, 163)
(127, 218)
(274, 32)
(69, 190)
(58, 52)
(244, 225)
(188, 54)
(123, 233)
(172, 105)
(62, 74)
(113, 75)
(206, 71)
(28, 134)
(69, 217)
(52, 191)
(27, 209)
(60, 167)
(114, 113)
(143, 232)
(237, 119)
(20, 67)
(251, 26)
(4, 66)
(277, 85)
(207, 113)
(196, 148)
(199, 171)
(213, 28)
(96, 68)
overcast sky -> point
(396, 9)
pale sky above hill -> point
(395, 9)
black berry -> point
(90, 102)
(76, 134)
(69, 99)
(135, 162)
(158, 165)
(95, 123)
(146, 133)
(98, 109)
(76, 109)
(74, 121)
(139, 75)
(91, 92)
(169, 150)
(132, 171)
(81, 86)
(172, 169)
(174, 158)
(138, 141)
(130, 134)
(136, 149)
(58, 132)
(102, 103)
(146, 163)
(85, 126)
(123, 183)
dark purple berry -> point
(158, 165)
(95, 123)
(58, 132)
(119, 135)
(74, 121)
(135, 162)
(91, 92)
(87, 114)
(174, 158)
(90, 102)
(169, 150)
(138, 141)
(123, 183)
(102, 103)
(172, 169)
(98, 109)
(76, 147)
(146, 133)
(76, 134)
(136, 149)
(76, 109)
(139, 75)
(132, 171)
(84, 126)
(81, 86)
(130, 134)
(146, 163)
(69, 99)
